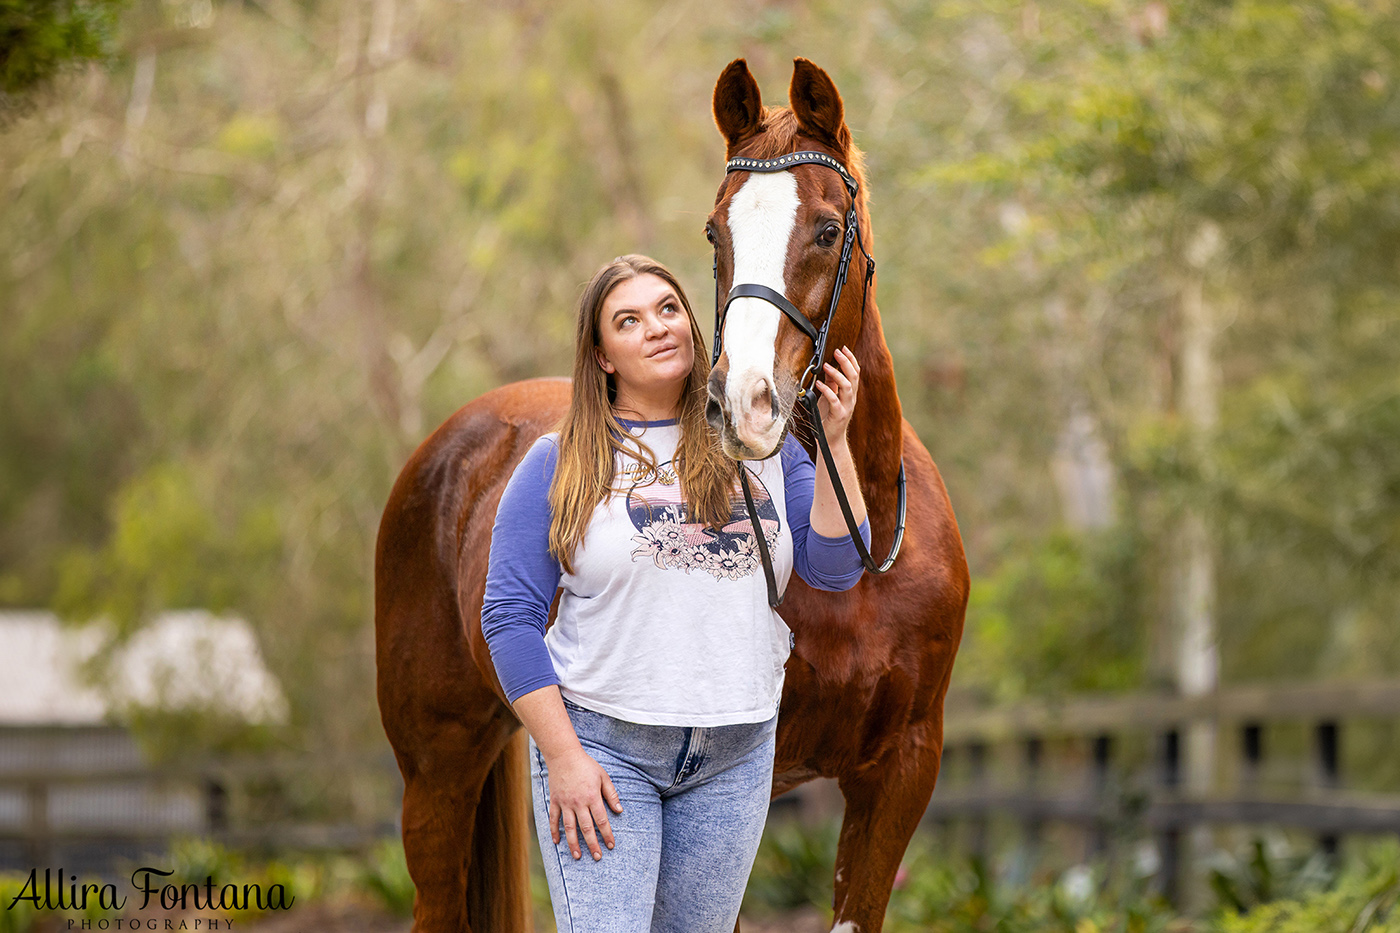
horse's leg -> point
(459, 747)
(883, 807)
(449, 733)
(443, 815)
(438, 817)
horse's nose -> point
(762, 408)
(714, 406)
(763, 397)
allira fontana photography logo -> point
(151, 889)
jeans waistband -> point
(669, 755)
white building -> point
(74, 786)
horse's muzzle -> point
(751, 429)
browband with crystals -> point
(782, 163)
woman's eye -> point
(669, 309)
(629, 319)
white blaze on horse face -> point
(761, 218)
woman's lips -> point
(662, 351)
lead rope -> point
(845, 504)
(775, 599)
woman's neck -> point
(634, 407)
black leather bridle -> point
(806, 392)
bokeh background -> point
(1137, 269)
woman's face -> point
(645, 342)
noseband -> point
(806, 391)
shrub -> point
(385, 876)
(21, 917)
(793, 868)
(24, 916)
(1269, 871)
(954, 896)
(1363, 900)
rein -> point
(806, 392)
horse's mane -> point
(778, 136)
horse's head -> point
(782, 227)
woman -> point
(655, 693)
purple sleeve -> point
(825, 563)
(522, 577)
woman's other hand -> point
(579, 788)
(838, 395)
(580, 791)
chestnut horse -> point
(863, 698)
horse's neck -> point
(877, 427)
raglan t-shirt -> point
(663, 620)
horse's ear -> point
(738, 107)
(817, 105)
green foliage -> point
(22, 916)
(1267, 873)
(25, 917)
(342, 882)
(937, 894)
(793, 867)
(175, 735)
(946, 897)
(1119, 140)
(192, 860)
(1058, 615)
(385, 876)
(197, 860)
(39, 37)
(1267, 889)
(249, 269)
(1315, 476)
(1363, 900)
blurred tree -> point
(1107, 137)
(251, 268)
(252, 265)
(39, 37)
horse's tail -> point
(498, 879)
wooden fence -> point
(85, 799)
(1124, 759)
(1095, 763)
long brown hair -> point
(591, 435)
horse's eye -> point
(710, 234)
(828, 234)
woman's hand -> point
(837, 402)
(838, 395)
(578, 787)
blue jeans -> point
(693, 805)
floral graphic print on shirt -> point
(667, 537)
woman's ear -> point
(603, 363)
